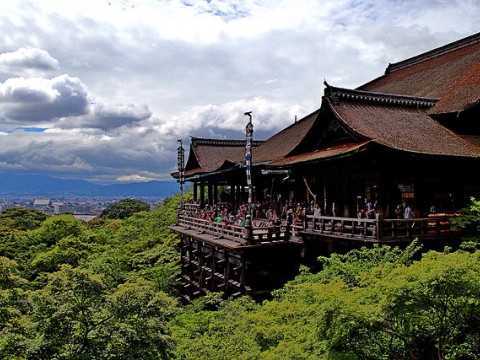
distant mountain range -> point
(39, 185)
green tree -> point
(21, 218)
(469, 223)
(428, 310)
(124, 208)
(77, 316)
(56, 228)
(97, 291)
(14, 305)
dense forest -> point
(107, 290)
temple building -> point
(387, 162)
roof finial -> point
(295, 117)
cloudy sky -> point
(102, 90)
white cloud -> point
(37, 100)
(28, 62)
(134, 178)
(108, 117)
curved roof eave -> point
(328, 154)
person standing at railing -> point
(370, 210)
(317, 212)
(361, 215)
(398, 211)
(408, 214)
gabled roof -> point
(286, 141)
(208, 155)
(398, 122)
(450, 73)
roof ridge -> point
(336, 93)
(222, 142)
(469, 40)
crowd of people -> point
(290, 213)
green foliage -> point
(143, 246)
(21, 218)
(469, 217)
(70, 290)
(76, 316)
(348, 267)
(124, 209)
(56, 228)
(223, 333)
(376, 303)
(105, 290)
(429, 309)
(469, 223)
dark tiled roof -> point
(332, 152)
(450, 73)
(473, 139)
(208, 155)
(284, 142)
(398, 122)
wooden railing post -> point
(248, 230)
(288, 228)
(378, 219)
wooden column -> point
(210, 195)
(202, 194)
(195, 191)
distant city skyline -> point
(45, 186)
(101, 90)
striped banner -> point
(248, 156)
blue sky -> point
(102, 90)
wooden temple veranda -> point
(337, 178)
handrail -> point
(367, 228)
(261, 234)
(355, 228)
(380, 229)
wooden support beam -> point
(237, 267)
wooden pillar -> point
(202, 194)
(210, 195)
(226, 274)
(215, 194)
(242, 270)
(385, 201)
(213, 285)
(195, 191)
(346, 197)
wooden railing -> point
(232, 232)
(361, 228)
(339, 227)
(423, 228)
(380, 229)
(261, 232)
